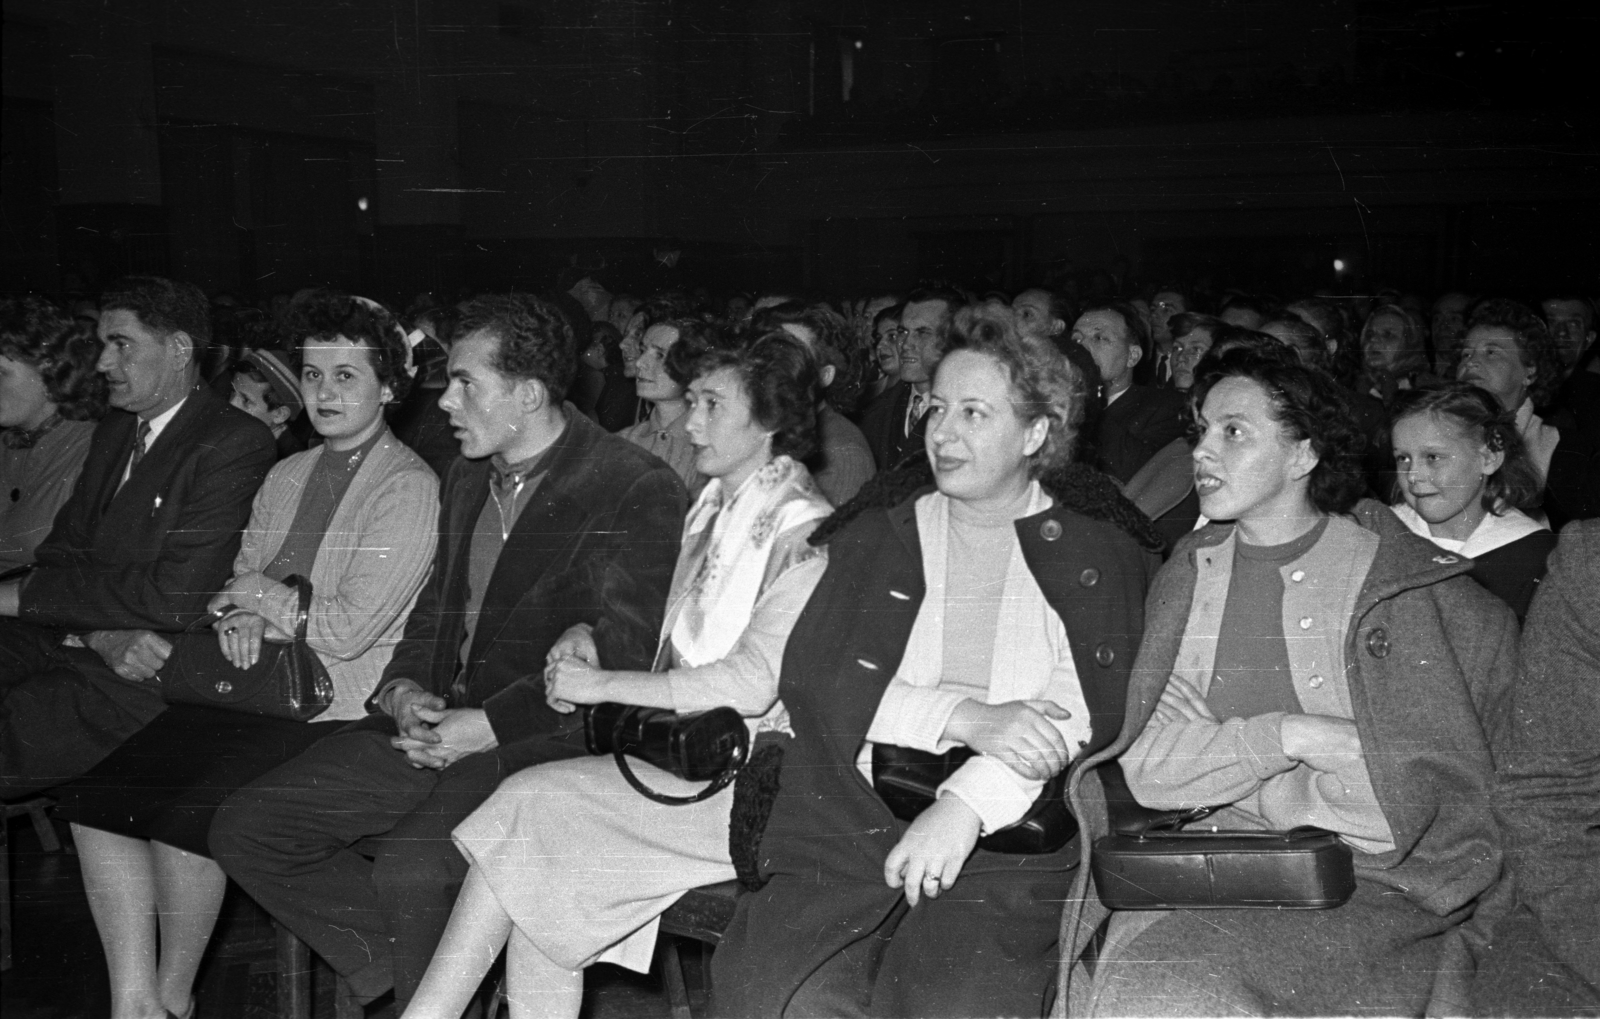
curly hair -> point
(1534, 343)
(535, 341)
(1309, 405)
(329, 315)
(1043, 382)
(163, 305)
(63, 350)
(779, 377)
(1475, 411)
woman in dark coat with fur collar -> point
(1000, 611)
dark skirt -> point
(166, 782)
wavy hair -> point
(1043, 382)
(779, 377)
(1475, 411)
(330, 315)
(1309, 405)
(1534, 342)
(164, 306)
(535, 339)
(62, 349)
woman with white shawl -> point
(570, 865)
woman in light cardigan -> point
(356, 514)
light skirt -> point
(584, 865)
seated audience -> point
(997, 611)
(146, 538)
(1307, 661)
(893, 424)
(355, 516)
(618, 402)
(743, 575)
(663, 430)
(1164, 305)
(1244, 311)
(1447, 328)
(1043, 314)
(418, 421)
(1465, 479)
(545, 522)
(1572, 321)
(50, 398)
(1138, 419)
(1508, 351)
(267, 387)
(1540, 959)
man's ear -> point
(183, 345)
(1057, 327)
(1135, 355)
(531, 394)
(279, 416)
(827, 374)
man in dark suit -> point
(548, 524)
(894, 422)
(148, 535)
(1138, 420)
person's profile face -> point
(651, 379)
(484, 406)
(145, 371)
(729, 442)
(24, 399)
(1246, 467)
(1104, 335)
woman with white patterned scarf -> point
(570, 865)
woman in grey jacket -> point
(1308, 661)
(356, 515)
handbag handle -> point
(717, 784)
(302, 613)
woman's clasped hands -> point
(240, 632)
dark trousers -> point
(62, 710)
(349, 846)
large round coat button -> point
(1089, 577)
(1050, 530)
(1378, 643)
(1104, 655)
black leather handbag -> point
(1303, 868)
(697, 746)
(287, 681)
(907, 780)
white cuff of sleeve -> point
(915, 717)
(997, 794)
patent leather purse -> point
(287, 681)
(699, 746)
(907, 781)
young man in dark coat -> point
(546, 522)
(147, 537)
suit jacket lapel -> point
(144, 483)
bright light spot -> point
(1461, 53)
(361, 203)
(858, 44)
(1338, 265)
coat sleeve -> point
(632, 572)
(163, 593)
(1183, 764)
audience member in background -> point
(886, 351)
(1301, 337)
(743, 575)
(1191, 334)
(1572, 321)
(591, 378)
(545, 522)
(1541, 959)
(1329, 322)
(663, 431)
(1138, 420)
(50, 398)
(147, 537)
(1243, 310)
(841, 461)
(356, 516)
(998, 611)
(267, 387)
(1163, 306)
(418, 420)
(618, 404)
(1332, 722)
(1043, 313)
(893, 423)
(1508, 351)
(1369, 412)
(1465, 479)
(1394, 355)
(1447, 328)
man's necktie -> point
(141, 438)
(914, 411)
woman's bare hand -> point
(577, 642)
(1017, 733)
(929, 857)
(239, 635)
(571, 681)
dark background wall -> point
(257, 146)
